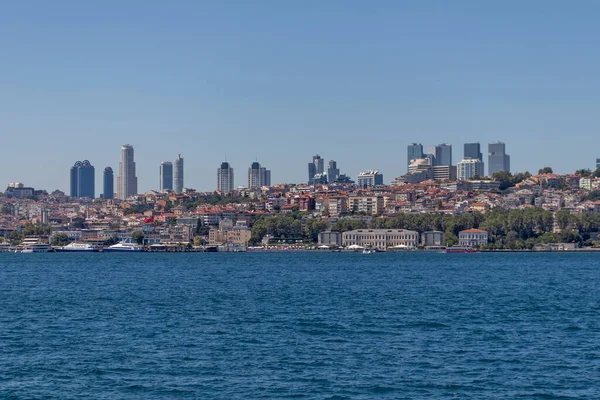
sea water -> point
(312, 325)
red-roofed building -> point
(472, 237)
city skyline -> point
(413, 78)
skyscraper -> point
(225, 178)
(258, 176)
(127, 180)
(166, 176)
(317, 166)
(178, 174)
(415, 152)
(109, 183)
(74, 177)
(473, 150)
(83, 182)
(332, 172)
(441, 154)
(498, 160)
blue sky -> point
(280, 81)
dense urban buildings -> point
(258, 176)
(498, 160)
(225, 178)
(83, 182)
(108, 183)
(178, 174)
(166, 176)
(127, 179)
(369, 178)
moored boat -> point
(460, 249)
(85, 247)
(124, 247)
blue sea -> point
(312, 325)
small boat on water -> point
(460, 249)
(124, 247)
(85, 247)
(368, 251)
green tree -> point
(313, 227)
(583, 172)
(546, 170)
(15, 237)
(60, 239)
(138, 237)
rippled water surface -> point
(299, 325)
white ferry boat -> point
(124, 247)
(86, 247)
(33, 245)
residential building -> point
(370, 205)
(166, 176)
(381, 239)
(108, 184)
(127, 179)
(225, 178)
(227, 233)
(178, 174)
(469, 168)
(498, 160)
(337, 205)
(258, 176)
(369, 178)
(473, 150)
(414, 152)
(333, 173)
(472, 237)
(83, 182)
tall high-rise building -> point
(83, 180)
(178, 174)
(414, 152)
(74, 177)
(441, 154)
(473, 150)
(109, 183)
(317, 166)
(127, 180)
(498, 160)
(166, 176)
(225, 178)
(333, 172)
(469, 168)
(258, 176)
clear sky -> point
(280, 81)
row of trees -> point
(517, 229)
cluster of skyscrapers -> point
(83, 177)
(472, 163)
(171, 175)
(317, 173)
(258, 176)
